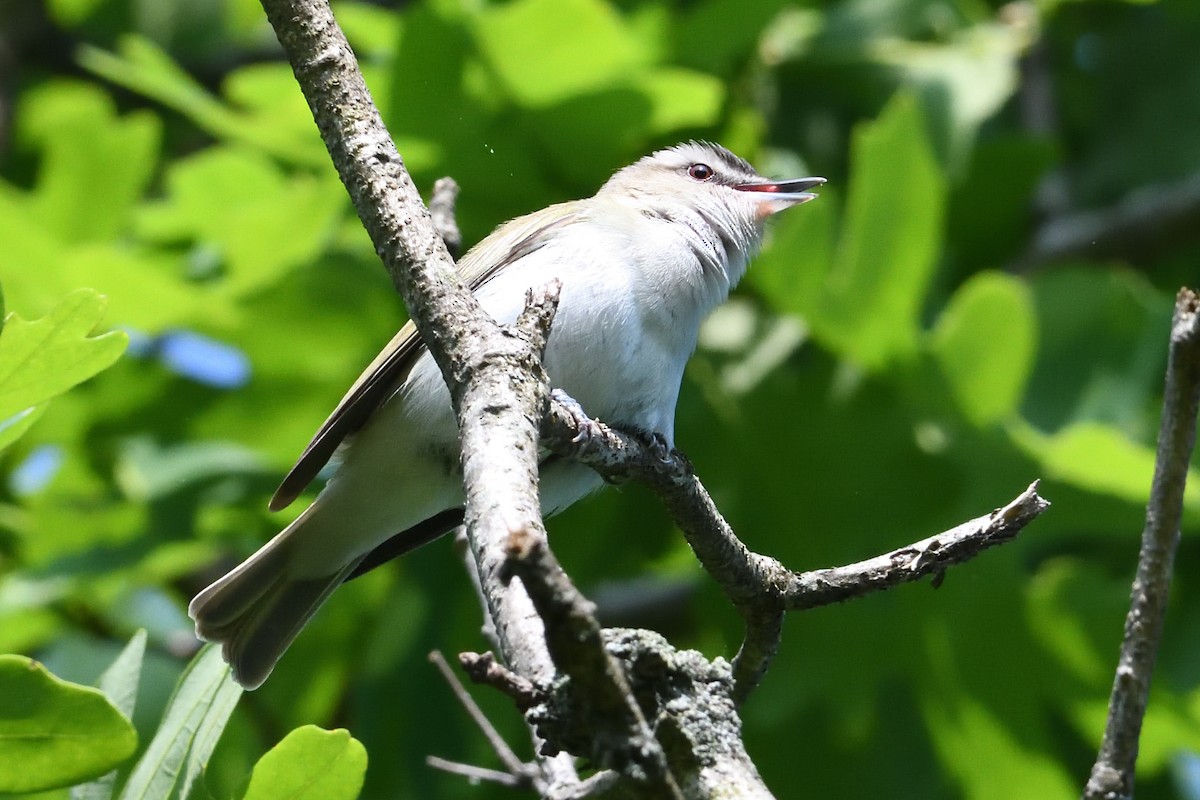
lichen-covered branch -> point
(1113, 773)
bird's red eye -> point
(700, 172)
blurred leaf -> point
(310, 764)
(120, 683)
(14, 427)
(716, 34)
(44, 358)
(54, 733)
(196, 714)
(141, 66)
(87, 152)
(369, 28)
(963, 83)
(1100, 459)
(988, 220)
(871, 308)
(680, 99)
(582, 45)
(985, 341)
(794, 266)
(1103, 353)
(148, 472)
(261, 221)
(990, 761)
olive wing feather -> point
(383, 376)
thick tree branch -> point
(1112, 775)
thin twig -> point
(479, 774)
(929, 556)
(441, 209)
(1139, 227)
(500, 747)
(482, 668)
(1112, 775)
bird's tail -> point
(256, 610)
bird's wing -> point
(508, 244)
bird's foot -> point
(586, 428)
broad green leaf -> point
(1099, 458)
(310, 764)
(87, 152)
(120, 683)
(985, 341)
(794, 265)
(990, 761)
(581, 45)
(44, 358)
(890, 241)
(680, 98)
(963, 83)
(14, 427)
(143, 67)
(54, 733)
(259, 221)
(196, 714)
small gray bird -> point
(642, 264)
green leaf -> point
(1100, 458)
(259, 221)
(196, 714)
(795, 264)
(120, 683)
(143, 67)
(14, 427)
(87, 152)
(890, 241)
(581, 45)
(985, 342)
(964, 730)
(963, 83)
(54, 733)
(310, 764)
(42, 359)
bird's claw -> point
(586, 428)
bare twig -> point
(927, 557)
(472, 352)
(514, 765)
(479, 774)
(1138, 227)
(1113, 773)
(441, 209)
(482, 668)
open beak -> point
(783, 194)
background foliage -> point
(898, 360)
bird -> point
(641, 264)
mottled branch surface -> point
(1112, 775)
